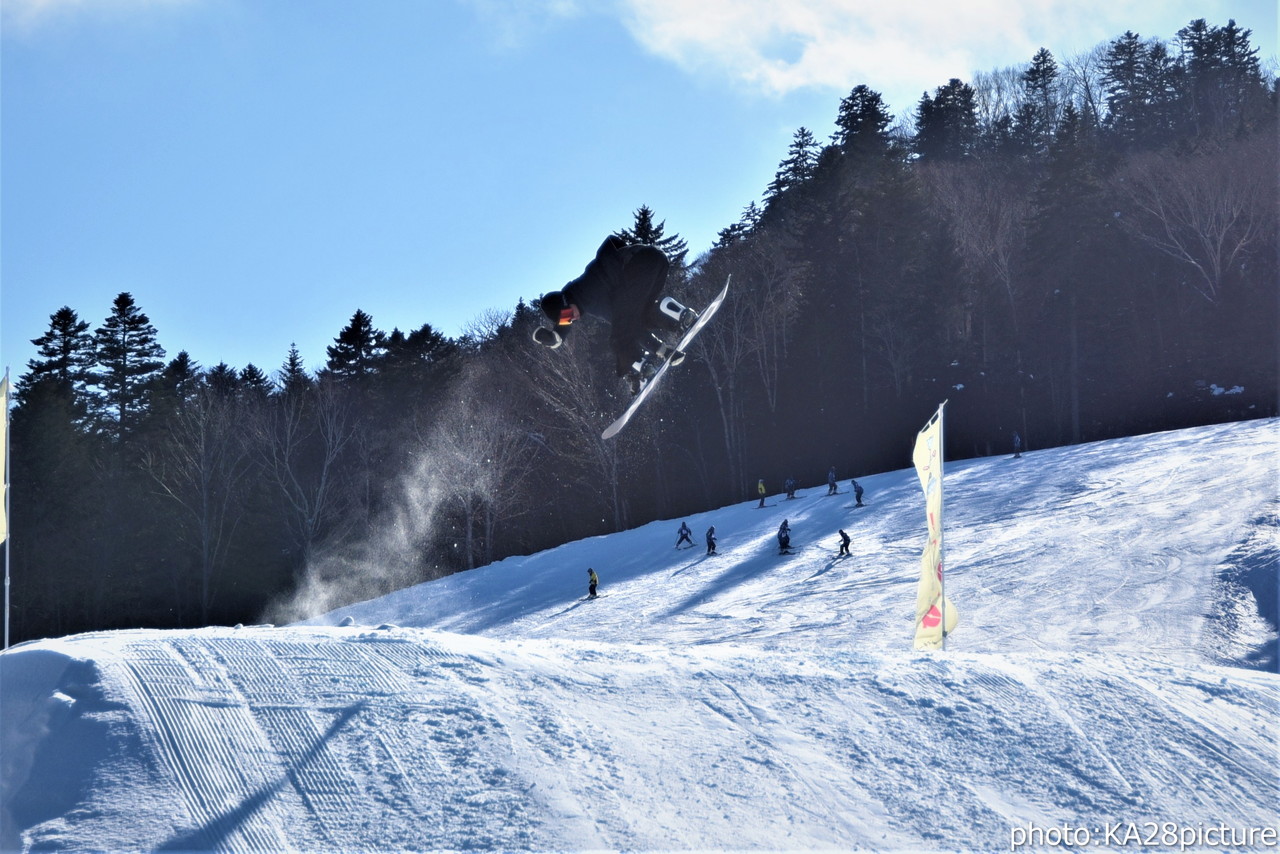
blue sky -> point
(253, 171)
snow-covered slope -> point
(745, 700)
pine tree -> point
(645, 230)
(1224, 85)
(1124, 76)
(223, 380)
(862, 123)
(1040, 85)
(128, 357)
(357, 349)
(65, 359)
(254, 382)
(798, 168)
(947, 123)
(293, 376)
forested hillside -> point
(1076, 249)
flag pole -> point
(8, 446)
(942, 543)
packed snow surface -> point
(1113, 673)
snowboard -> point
(616, 427)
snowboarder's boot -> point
(668, 353)
(643, 370)
(683, 316)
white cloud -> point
(898, 48)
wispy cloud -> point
(27, 15)
(513, 23)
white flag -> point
(932, 608)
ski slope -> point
(1111, 673)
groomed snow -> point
(1109, 675)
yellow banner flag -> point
(4, 458)
(935, 616)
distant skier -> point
(622, 285)
(760, 490)
(1017, 445)
(844, 544)
(790, 486)
(857, 492)
(686, 536)
(592, 581)
(711, 540)
(784, 537)
(832, 489)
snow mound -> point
(1107, 673)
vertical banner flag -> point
(4, 458)
(935, 616)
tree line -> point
(1076, 250)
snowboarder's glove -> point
(547, 337)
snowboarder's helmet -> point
(558, 309)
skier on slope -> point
(844, 544)
(686, 536)
(711, 540)
(831, 481)
(592, 581)
(784, 537)
(857, 492)
(622, 285)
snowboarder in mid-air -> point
(686, 536)
(622, 285)
(592, 582)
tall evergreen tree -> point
(65, 358)
(645, 230)
(292, 376)
(862, 123)
(799, 167)
(1040, 86)
(1223, 79)
(128, 357)
(357, 349)
(254, 382)
(947, 123)
(1124, 76)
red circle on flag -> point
(931, 618)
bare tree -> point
(482, 454)
(1207, 210)
(201, 466)
(772, 299)
(581, 400)
(1083, 82)
(986, 214)
(300, 437)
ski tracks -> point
(280, 744)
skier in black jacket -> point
(622, 285)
